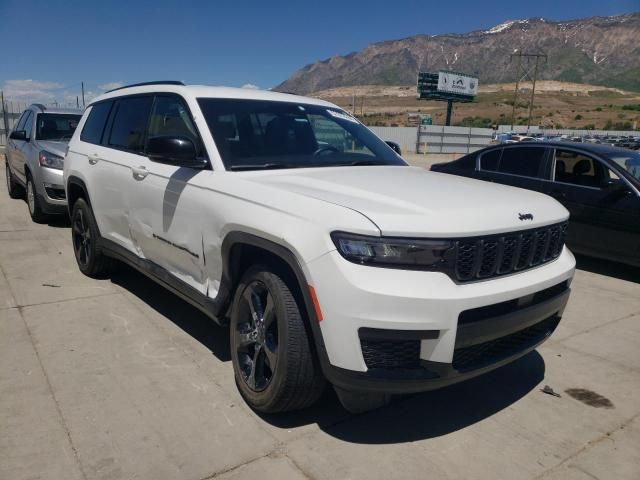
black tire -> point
(35, 210)
(15, 191)
(84, 235)
(275, 334)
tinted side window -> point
(130, 123)
(28, 124)
(489, 161)
(525, 161)
(94, 126)
(170, 117)
(579, 169)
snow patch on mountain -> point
(504, 26)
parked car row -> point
(598, 184)
(621, 141)
(284, 218)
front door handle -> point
(139, 173)
(558, 194)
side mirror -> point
(179, 151)
(19, 135)
(394, 146)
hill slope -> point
(598, 50)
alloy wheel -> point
(81, 238)
(31, 197)
(256, 336)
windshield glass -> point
(258, 134)
(56, 126)
(629, 161)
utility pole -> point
(533, 92)
(523, 74)
(82, 94)
(4, 115)
(515, 96)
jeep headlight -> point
(51, 160)
(391, 252)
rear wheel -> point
(273, 362)
(84, 234)
(35, 210)
(12, 186)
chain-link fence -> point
(10, 111)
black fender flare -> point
(228, 282)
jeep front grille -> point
(480, 258)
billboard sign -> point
(450, 82)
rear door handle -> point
(139, 173)
(558, 194)
(93, 159)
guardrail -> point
(436, 138)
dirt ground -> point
(556, 105)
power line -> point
(523, 73)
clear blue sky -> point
(56, 44)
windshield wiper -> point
(261, 166)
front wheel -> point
(273, 362)
(35, 210)
(12, 186)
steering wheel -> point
(326, 148)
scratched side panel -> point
(166, 221)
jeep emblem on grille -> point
(525, 216)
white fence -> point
(440, 139)
(436, 138)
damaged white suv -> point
(329, 258)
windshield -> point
(258, 134)
(629, 161)
(56, 126)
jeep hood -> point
(411, 201)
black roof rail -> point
(40, 106)
(158, 82)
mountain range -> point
(598, 50)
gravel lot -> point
(118, 379)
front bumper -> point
(50, 190)
(428, 330)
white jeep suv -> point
(326, 254)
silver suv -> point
(35, 153)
